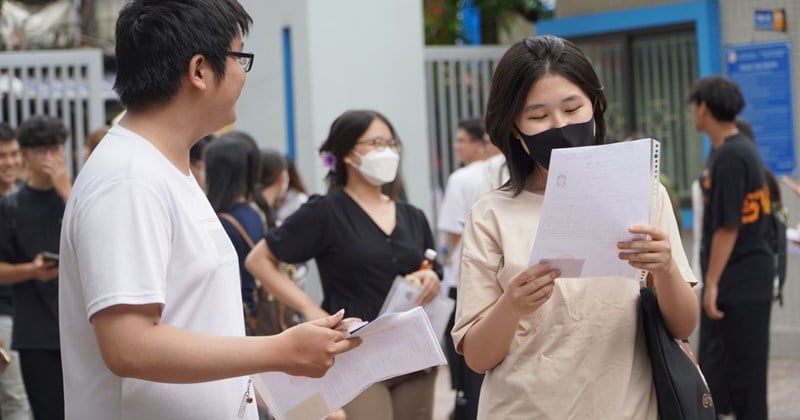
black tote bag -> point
(681, 390)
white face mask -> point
(379, 167)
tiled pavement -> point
(784, 383)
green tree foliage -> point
(443, 26)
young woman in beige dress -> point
(553, 347)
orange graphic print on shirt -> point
(756, 203)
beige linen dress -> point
(582, 354)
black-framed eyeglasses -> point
(380, 143)
(244, 59)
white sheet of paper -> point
(393, 344)
(593, 195)
(403, 296)
(793, 241)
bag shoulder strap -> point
(238, 226)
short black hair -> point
(474, 127)
(721, 95)
(745, 128)
(41, 131)
(6, 132)
(155, 39)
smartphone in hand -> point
(50, 257)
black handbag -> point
(681, 389)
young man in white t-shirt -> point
(150, 306)
(464, 186)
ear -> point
(199, 72)
(702, 108)
(346, 159)
(351, 159)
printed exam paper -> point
(593, 195)
(393, 344)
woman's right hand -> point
(531, 288)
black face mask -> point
(541, 145)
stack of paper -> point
(403, 296)
(393, 344)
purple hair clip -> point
(329, 160)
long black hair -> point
(226, 172)
(342, 138)
(273, 163)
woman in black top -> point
(361, 240)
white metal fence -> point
(458, 81)
(66, 84)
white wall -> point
(347, 54)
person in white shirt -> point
(464, 186)
(149, 301)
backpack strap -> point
(239, 228)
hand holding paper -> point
(393, 344)
(531, 288)
(405, 295)
(653, 253)
(594, 194)
(316, 345)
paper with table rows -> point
(593, 195)
(392, 345)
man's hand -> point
(312, 346)
(710, 302)
(429, 282)
(530, 289)
(55, 166)
(44, 271)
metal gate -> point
(646, 78)
(66, 84)
(458, 81)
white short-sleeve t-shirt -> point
(138, 231)
(463, 188)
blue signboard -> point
(763, 20)
(763, 71)
(770, 20)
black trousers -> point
(734, 354)
(44, 382)
(464, 380)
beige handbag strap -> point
(239, 228)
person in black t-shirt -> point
(361, 240)
(13, 399)
(737, 259)
(31, 227)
